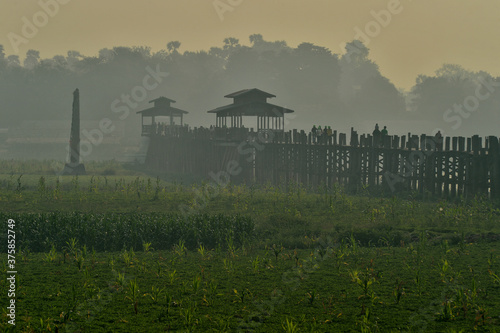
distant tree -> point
(256, 39)
(378, 99)
(106, 55)
(32, 59)
(173, 46)
(13, 61)
(231, 43)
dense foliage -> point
(114, 232)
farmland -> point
(120, 250)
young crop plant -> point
(443, 270)
(159, 268)
(79, 261)
(255, 264)
(228, 265)
(312, 296)
(495, 277)
(195, 285)
(146, 247)
(446, 310)
(399, 291)
(231, 247)
(188, 314)
(120, 279)
(204, 253)
(180, 248)
(289, 326)
(84, 251)
(52, 255)
(171, 277)
(277, 250)
(364, 282)
(156, 293)
(133, 290)
(354, 244)
(240, 297)
(462, 300)
(126, 258)
(72, 246)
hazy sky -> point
(418, 37)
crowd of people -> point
(319, 134)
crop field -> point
(122, 251)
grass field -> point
(120, 250)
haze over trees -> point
(339, 90)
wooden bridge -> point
(447, 167)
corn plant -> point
(240, 297)
(146, 247)
(180, 248)
(188, 314)
(212, 287)
(79, 261)
(202, 251)
(84, 251)
(446, 311)
(399, 291)
(364, 281)
(311, 296)
(277, 250)
(126, 258)
(228, 265)
(354, 244)
(159, 268)
(133, 290)
(491, 260)
(71, 246)
(155, 294)
(196, 284)
(255, 264)
(495, 277)
(120, 279)
(289, 326)
(443, 269)
(171, 277)
(462, 299)
(230, 244)
(52, 255)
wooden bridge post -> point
(494, 154)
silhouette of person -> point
(438, 139)
(384, 131)
(313, 131)
(376, 136)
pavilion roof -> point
(162, 111)
(253, 91)
(255, 108)
(162, 98)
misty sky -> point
(419, 38)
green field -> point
(122, 250)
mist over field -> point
(338, 90)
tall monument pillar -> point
(74, 167)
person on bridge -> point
(438, 140)
(384, 131)
(376, 136)
(313, 132)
